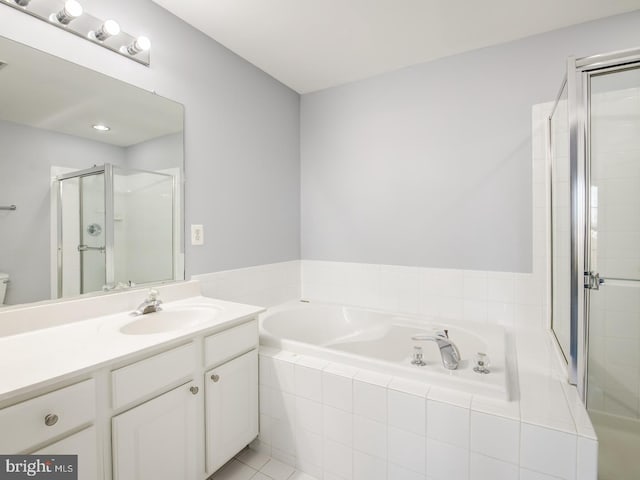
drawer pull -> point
(51, 419)
(215, 377)
(194, 390)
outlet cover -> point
(197, 235)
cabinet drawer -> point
(230, 343)
(84, 444)
(27, 421)
(152, 375)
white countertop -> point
(43, 357)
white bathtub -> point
(379, 341)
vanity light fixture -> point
(110, 28)
(105, 33)
(69, 12)
(101, 128)
(140, 44)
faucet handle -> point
(153, 295)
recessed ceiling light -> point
(101, 128)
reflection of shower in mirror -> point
(114, 226)
(94, 229)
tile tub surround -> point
(515, 300)
(264, 285)
(337, 422)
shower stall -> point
(594, 151)
(115, 227)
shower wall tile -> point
(516, 300)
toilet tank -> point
(4, 279)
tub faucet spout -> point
(448, 350)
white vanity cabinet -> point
(82, 444)
(231, 412)
(231, 393)
(177, 410)
(158, 440)
(159, 435)
(54, 419)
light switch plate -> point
(197, 235)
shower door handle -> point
(592, 280)
(84, 248)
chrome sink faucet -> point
(448, 350)
(151, 304)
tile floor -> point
(252, 465)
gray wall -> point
(25, 172)
(431, 165)
(156, 154)
(241, 129)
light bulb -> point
(140, 44)
(69, 12)
(108, 29)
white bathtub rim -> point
(454, 380)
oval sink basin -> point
(169, 320)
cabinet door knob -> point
(194, 390)
(51, 419)
(215, 377)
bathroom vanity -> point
(166, 395)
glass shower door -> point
(560, 223)
(81, 233)
(613, 260)
(92, 233)
(144, 226)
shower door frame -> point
(579, 73)
(107, 171)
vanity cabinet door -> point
(158, 440)
(84, 445)
(231, 396)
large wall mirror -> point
(91, 181)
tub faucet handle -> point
(418, 357)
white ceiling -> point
(43, 91)
(314, 44)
